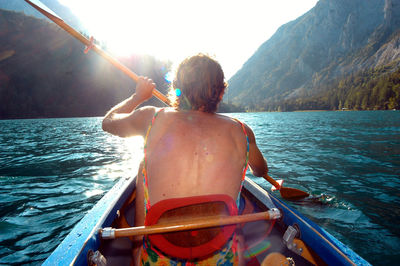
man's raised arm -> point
(124, 119)
(257, 162)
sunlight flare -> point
(229, 30)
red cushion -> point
(202, 250)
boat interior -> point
(264, 242)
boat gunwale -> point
(84, 235)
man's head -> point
(198, 84)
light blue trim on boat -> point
(84, 236)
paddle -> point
(39, 6)
(199, 223)
(287, 192)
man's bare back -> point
(208, 151)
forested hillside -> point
(372, 89)
(54, 5)
(340, 54)
(44, 72)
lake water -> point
(52, 171)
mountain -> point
(331, 57)
(44, 72)
(61, 10)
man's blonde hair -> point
(198, 84)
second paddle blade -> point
(293, 193)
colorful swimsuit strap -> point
(246, 164)
(144, 171)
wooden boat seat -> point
(191, 244)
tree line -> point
(372, 89)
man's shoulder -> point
(231, 120)
(230, 125)
(147, 112)
(239, 124)
(149, 109)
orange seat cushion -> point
(191, 244)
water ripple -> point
(52, 171)
(352, 157)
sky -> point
(229, 30)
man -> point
(189, 149)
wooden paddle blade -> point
(293, 193)
(286, 192)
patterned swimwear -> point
(150, 255)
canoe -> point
(292, 235)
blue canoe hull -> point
(84, 236)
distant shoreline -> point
(316, 110)
(296, 111)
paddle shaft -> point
(77, 35)
(199, 223)
(272, 181)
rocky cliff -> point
(306, 58)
